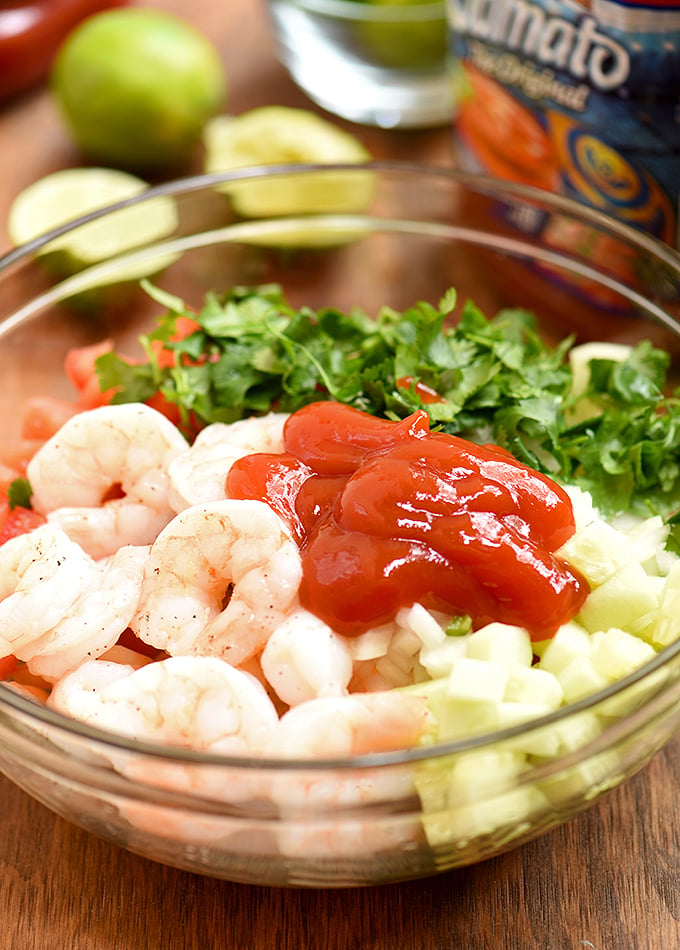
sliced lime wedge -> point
(273, 135)
(66, 195)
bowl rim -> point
(10, 699)
(31, 710)
(482, 184)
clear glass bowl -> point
(376, 818)
(382, 64)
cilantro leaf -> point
(19, 493)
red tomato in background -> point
(45, 415)
(31, 33)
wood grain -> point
(607, 880)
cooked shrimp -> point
(100, 454)
(319, 815)
(304, 658)
(42, 575)
(359, 723)
(98, 618)
(234, 550)
(59, 606)
(198, 475)
(195, 702)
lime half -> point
(66, 195)
(274, 135)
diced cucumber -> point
(648, 538)
(597, 551)
(586, 780)
(474, 681)
(622, 600)
(631, 698)
(530, 683)
(580, 678)
(438, 660)
(559, 738)
(579, 359)
(468, 776)
(582, 506)
(570, 642)
(481, 772)
(513, 810)
(500, 643)
(665, 624)
(531, 742)
(615, 653)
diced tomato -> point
(167, 408)
(18, 521)
(45, 415)
(79, 362)
(171, 412)
(91, 396)
(426, 393)
(165, 357)
(7, 666)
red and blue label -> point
(579, 98)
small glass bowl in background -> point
(386, 234)
(379, 63)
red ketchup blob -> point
(389, 513)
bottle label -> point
(581, 97)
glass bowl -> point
(341, 236)
(381, 64)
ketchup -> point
(389, 513)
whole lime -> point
(136, 86)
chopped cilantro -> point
(496, 380)
(19, 493)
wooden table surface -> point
(607, 880)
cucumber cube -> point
(585, 780)
(622, 600)
(511, 812)
(666, 625)
(559, 738)
(482, 772)
(649, 538)
(472, 680)
(439, 660)
(570, 642)
(615, 653)
(500, 643)
(580, 678)
(538, 686)
(597, 551)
